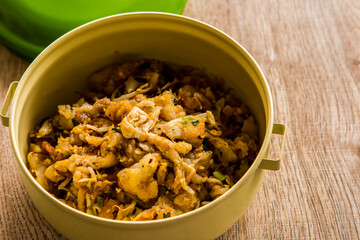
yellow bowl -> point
(60, 71)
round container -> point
(60, 71)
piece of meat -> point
(139, 178)
(223, 151)
(189, 128)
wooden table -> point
(310, 53)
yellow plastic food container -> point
(60, 71)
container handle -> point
(6, 104)
(271, 164)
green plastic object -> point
(28, 26)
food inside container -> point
(147, 141)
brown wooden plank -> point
(310, 54)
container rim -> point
(131, 17)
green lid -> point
(28, 26)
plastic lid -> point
(28, 26)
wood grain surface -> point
(309, 50)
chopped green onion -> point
(100, 202)
(116, 130)
(195, 122)
(166, 215)
(69, 191)
(187, 120)
(219, 175)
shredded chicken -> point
(146, 142)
